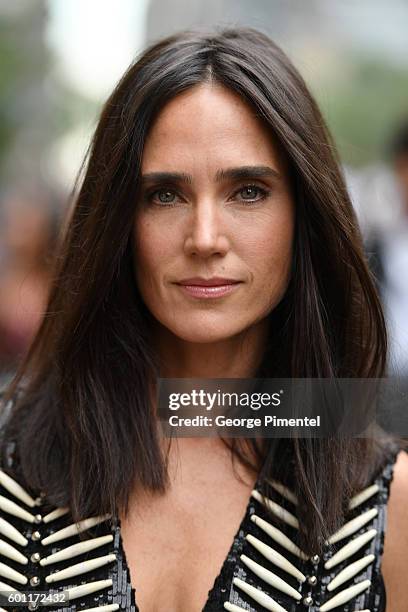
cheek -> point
(147, 254)
(270, 253)
(150, 247)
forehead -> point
(208, 125)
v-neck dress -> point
(42, 551)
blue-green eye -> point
(165, 196)
(247, 193)
(252, 193)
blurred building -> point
(26, 130)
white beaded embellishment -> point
(303, 595)
(14, 548)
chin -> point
(204, 338)
(205, 331)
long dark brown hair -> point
(85, 429)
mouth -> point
(208, 288)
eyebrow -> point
(241, 172)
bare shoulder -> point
(395, 559)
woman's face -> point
(215, 208)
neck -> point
(236, 357)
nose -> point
(206, 231)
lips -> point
(215, 281)
(205, 288)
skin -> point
(395, 559)
(209, 230)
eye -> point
(251, 193)
(162, 197)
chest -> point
(176, 544)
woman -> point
(210, 167)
